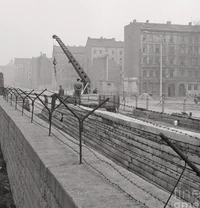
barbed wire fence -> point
(96, 123)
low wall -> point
(136, 146)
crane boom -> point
(85, 79)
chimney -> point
(147, 21)
(134, 20)
(190, 23)
(169, 22)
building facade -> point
(105, 69)
(101, 47)
(33, 73)
(179, 47)
(65, 74)
(23, 72)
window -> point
(113, 52)
(195, 86)
(189, 87)
(183, 39)
(120, 52)
(196, 50)
(163, 38)
(145, 60)
(171, 73)
(151, 73)
(171, 39)
(190, 73)
(196, 73)
(182, 49)
(157, 49)
(195, 62)
(190, 39)
(171, 50)
(190, 61)
(182, 72)
(151, 49)
(144, 38)
(144, 73)
(100, 52)
(144, 86)
(182, 61)
(164, 60)
(150, 60)
(190, 50)
(157, 60)
(171, 61)
(95, 51)
(144, 49)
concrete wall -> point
(136, 146)
(32, 183)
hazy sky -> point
(27, 26)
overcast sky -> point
(27, 26)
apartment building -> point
(179, 47)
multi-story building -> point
(41, 72)
(33, 72)
(179, 47)
(23, 72)
(65, 72)
(101, 47)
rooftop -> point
(104, 42)
(168, 26)
(72, 49)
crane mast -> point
(83, 76)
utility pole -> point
(107, 68)
(161, 78)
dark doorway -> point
(182, 90)
(171, 90)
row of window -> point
(171, 73)
(171, 38)
(156, 60)
(189, 73)
(157, 49)
(156, 73)
(106, 50)
(183, 61)
(190, 50)
(190, 87)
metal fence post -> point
(147, 103)
(81, 120)
(163, 104)
(136, 101)
(184, 105)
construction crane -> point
(83, 76)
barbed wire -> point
(145, 164)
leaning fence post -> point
(147, 103)
(163, 104)
(33, 102)
(184, 105)
(136, 101)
